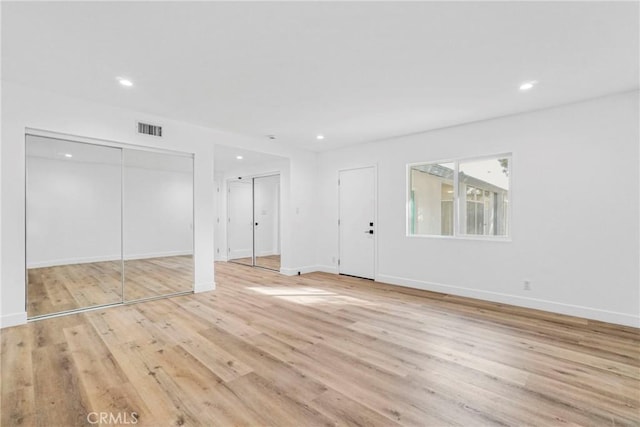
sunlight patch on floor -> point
(289, 290)
(308, 296)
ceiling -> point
(226, 159)
(352, 71)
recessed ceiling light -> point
(67, 155)
(125, 82)
(319, 136)
(528, 85)
(239, 157)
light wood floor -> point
(69, 287)
(319, 349)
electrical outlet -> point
(526, 285)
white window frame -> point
(457, 234)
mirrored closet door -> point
(74, 222)
(158, 224)
(266, 221)
(253, 223)
(105, 225)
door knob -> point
(368, 231)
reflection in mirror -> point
(240, 222)
(484, 195)
(266, 196)
(73, 223)
(157, 224)
(431, 199)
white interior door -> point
(240, 221)
(357, 222)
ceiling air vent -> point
(148, 129)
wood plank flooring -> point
(319, 349)
(272, 262)
(68, 287)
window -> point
(460, 198)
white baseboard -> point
(267, 253)
(87, 260)
(69, 261)
(289, 271)
(309, 269)
(294, 271)
(204, 287)
(149, 255)
(14, 319)
(240, 253)
(539, 304)
(327, 269)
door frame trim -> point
(374, 166)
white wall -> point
(299, 215)
(219, 207)
(24, 108)
(575, 211)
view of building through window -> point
(465, 197)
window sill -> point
(506, 239)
